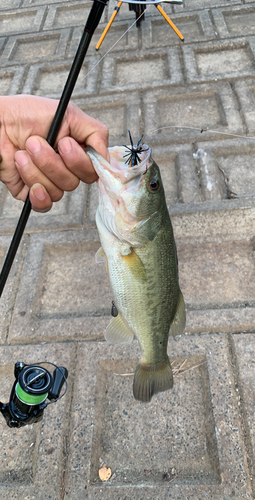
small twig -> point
(145, 472)
(178, 369)
(230, 193)
(177, 475)
(191, 368)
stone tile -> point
(213, 222)
(217, 275)
(11, 287)
(2, 44)
(138, 71)
(32, 457)
(214, 181)
(11, 80)
(234, 21)
(67, 289)
(5, 82)
(192, 432)
(178, 171)
(62, 16)
(68, 212)
(120, 112)
(228, 301)
(219, 60)
(244, 348)
(245, 91)
(93, 203)
(23, 20)
(28, 3)
(129, 41)
(238, 170)
(201, 4)
(28, 48)
(49, 79)
(194, 27)
(183, 113)
(225, 168)
(10, 4)
(252, 90)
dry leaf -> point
(104, 473)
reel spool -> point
(32, 387)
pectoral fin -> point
(117, 332)
(100, 256)
(179, 321)
(135, 265)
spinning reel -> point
(32, 387)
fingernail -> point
(21, 158)
(33, 145)
(38, 192)
(65, 146)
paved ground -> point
(198, 440)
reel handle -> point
(60, 375)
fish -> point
(139, 250)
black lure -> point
(114, 311)
(134, 152)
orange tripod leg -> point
(170, 22)
(114, 14)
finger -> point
(40, 199)
(76, 160)
(31, 175)
(50, 164)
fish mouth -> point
(119, 191)
(118, 167)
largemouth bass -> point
(139, 249)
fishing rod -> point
(91, 24)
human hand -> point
(28, 163)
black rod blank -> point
(91, 24)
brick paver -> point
(195, 104)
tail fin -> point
(151, 379)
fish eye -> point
(153, 185)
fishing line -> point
(114, 45)
(202, 130)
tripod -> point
(139, 9)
